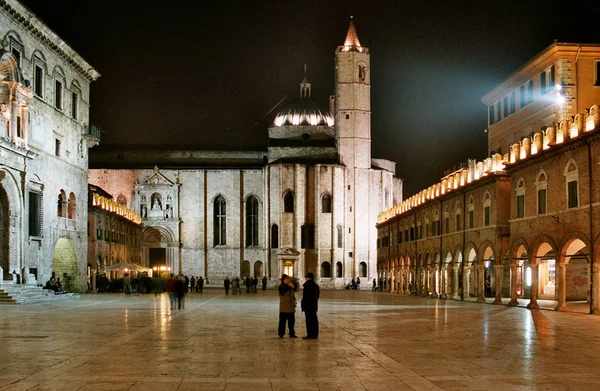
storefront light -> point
(528, 278)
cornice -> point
(36, 27)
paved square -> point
(368, 341)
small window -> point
(491, 115)
(19, 127)
(58, 94)
(35, 214)
(326, 270)
(74, 105)
(275, 236)
(573, 199)
(326, 203)
(486, 216)
(288, 202)
(57, 147)
(458, 222)
(447, 224)
(16, 52)
(547, 80)
(471, 219)
(220, 221)
(38, 81)
(541, 198)
(347, 116)
(340, 236)
(521, 206)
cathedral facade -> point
(309, 203)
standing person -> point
(226, 284)
(171, 290)
(310, 306)
(235, 285)
(357, 283)
(287, 307)
(192, 284)
(127, 284)
(254, 284)
(374, 288)
(181, 288)
(264, 283)
(248, 284)
(200, 285)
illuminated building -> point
(519, 224)
(309, 203)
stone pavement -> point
(368, 341)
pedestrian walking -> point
(254, 284)
(181, 288)
(226, 284)
(200, 285)
(287, 307)
(172, 290)
(310, 306)
(264, 283)
(357, 283)
(248, 284)
(235, 285)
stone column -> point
(533, 304)
(481, 279)
(455, 292)
(402, 280)
(499, 276)
(595, 294)
(466, 274)
(444, 281)
(435, 282)
(513, 285)
(562, 287)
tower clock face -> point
(362, 73)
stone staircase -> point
(29, 294)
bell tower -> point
(353, 136)
(353, 101)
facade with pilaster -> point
(44, 140)
(308, 203)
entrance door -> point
(157, 257)
(288, 268)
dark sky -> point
(204, 73)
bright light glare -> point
(558, 87)
(528, 278)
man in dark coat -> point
(310, 306)
(264, 283)
(226, 284)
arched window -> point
(520, 198)
(325, 270)
(72, 207)
(245, 272)
(446, 220)
(258, 269)
(572, 182)
(220, 218)
(274, 236)
(338, 270)
(251, 221)
(542, 192)
(62, 204)
(457, 213)
(487, 209)
(471, 212)
(362, 269)
(326, 203)
(288, 202)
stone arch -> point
(339, 271)
(72, 209)
(575, 274)
(65, 264)
(159, 247)
(517, 248)
(9, 68)
(326, 270)
(544, 259)
(12, 210)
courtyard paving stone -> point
(367, 341)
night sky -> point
(204, 74)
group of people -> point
(176, 288)
(55, 285)
(251, 284)
(197, 284)
(309, 305)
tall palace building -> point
(309, 203)
(523, 224)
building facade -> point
(308, 203)
(44, 141)
(523, 224)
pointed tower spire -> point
(305, 86)
(352, 43)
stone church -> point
(309, 203)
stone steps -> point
(29, 294)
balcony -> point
(65, 223)
(94, 135)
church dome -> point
(303, 111)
